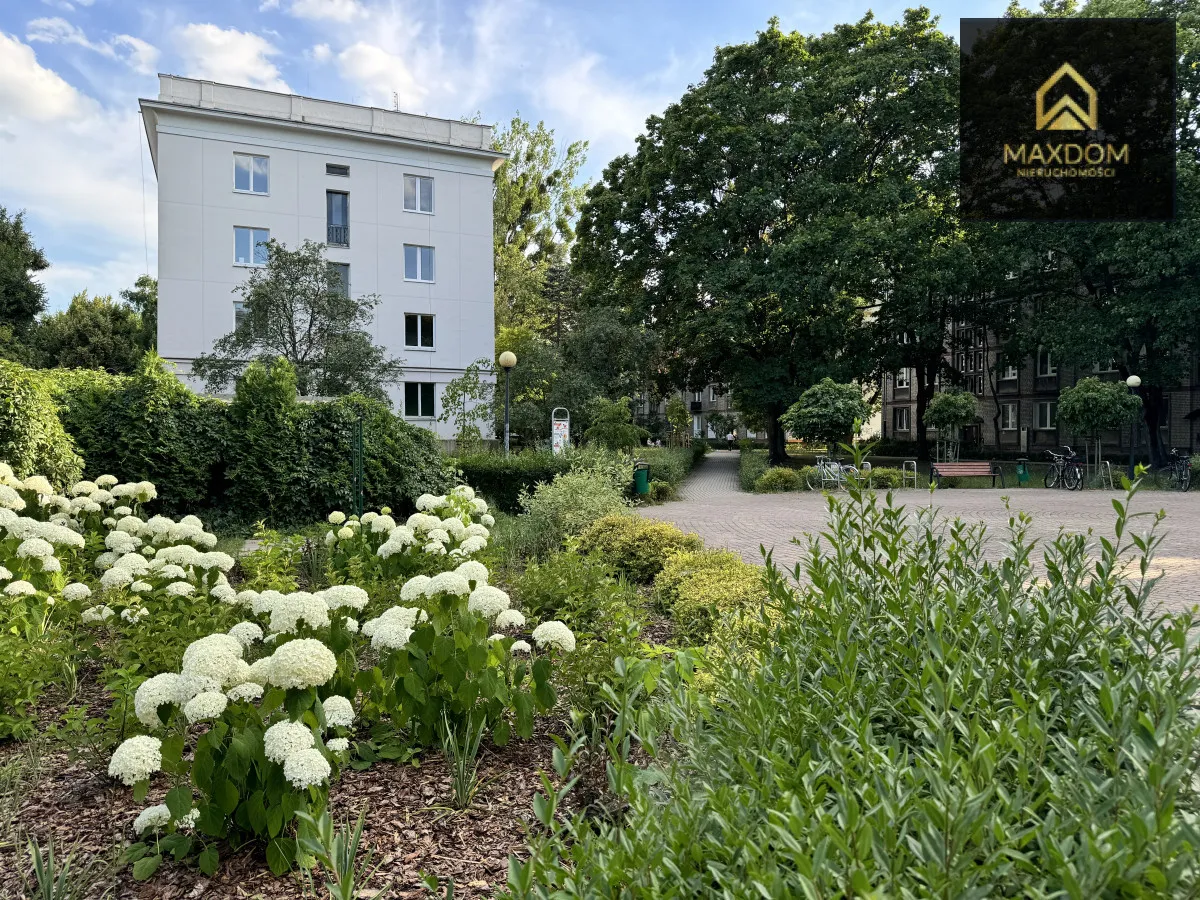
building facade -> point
(403, 203)
(1018, 405)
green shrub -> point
(636, 546)
(922, 721)
(661, 491)
(886, 478)
(751, 464)
(566, 506)
(804, 474)
(776, 480)
(745, 444)
(707, 591)
(502, 479)
(579, 590)
(32, 439)
(669, 464)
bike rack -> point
(1105, 473)
(907, 468)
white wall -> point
(198, 209)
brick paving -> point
(713, 506)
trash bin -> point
(641, 478)
(1022, 470)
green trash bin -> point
(1022, 470)
(641, 478)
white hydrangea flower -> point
(473, 571)
(208, 705)
(509, 618)
(50, 564)
(247, 633)
(389, 635)
(105, 560)
(306, 768)
(264, 601)
(487, 601)
(337, 745)
(191, 520)
(215, 657)
(472, 544)
(465, 491)
(284, 739)
(120, 542)
(433, 548)
(555, 634)
(153, 693)
(180, 589)
(338, 711)
(344, 595)
(152, 818)
(124, 490)
(351, 625)
(134, 563)
(146, 491)
(245, 692)
(136, 759)
(290, 610)
(170, 571)
(447, 583)
(83, 487)
(368, 627)
(191, 684)
(133, 615)
(141, 587)
(76, 591)
(478, 507)
(98, 497)
(260, 670)
(215, 559)
(487, 521)
(115, 578)
(128, 523)
(345, 533)
(497, 637)
(337, 517)
(96, 614)
(34, 548)
(38, 484)
(189, 820)
(123, 511)
(439, 535)
(520, 647)
(10, 499)
(422, 521)
(454, 527)
(179, 555)
(474, 530)
(427, 502)
(224, 594)
(330, 538)
(302, 663)
(414, 588)
(19, 589)
(247, 598)
(381, 524)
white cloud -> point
(75, 166)
(134, 52)
(380, 74)
(268, 5)
(229, 56)
(320, 53)
(332, 10)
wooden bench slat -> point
(938, 471)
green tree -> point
(827, 412)
(91, 333)
(468, 401)
(951, 410)
(298, 309)
(1092, 406)
(612, 425)
(143, 297)
(21, 297)
(678, 417)
(540, 382)
(534, 202)
(741, 224)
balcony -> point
(338, 235)
(697, 406)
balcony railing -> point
(338, 236)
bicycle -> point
(829, 472)
(1176, 475)
(1065, 470)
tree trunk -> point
(925, 376)
(1152, 396)
(776, 438)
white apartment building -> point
(403, 202)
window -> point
(697, 426)
(240, 312)
(337, 169)
(979, 385)
(979, 367)
(962, 362)
(1008, 417)
(697, 396)
(970, 362)
(418, 193)
(1045, 365)
(1009, 373)
(251, 174)
(418, 263)
(900, 418)
(1100, 368)
(1047, 415)
(337, 218)
(418, 399)
(341, 271)
(418, 331)
(902, 380)
(250, 246)
(714, 392)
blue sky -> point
(72, 153)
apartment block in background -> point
(403, 203)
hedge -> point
(32, 438)
(501, 479)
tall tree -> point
(91, 333)
(21, 298)
(740, 224)
(298, 308)
(535, 199)
(143, 297)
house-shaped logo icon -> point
(1066, 114)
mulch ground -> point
(409, 825)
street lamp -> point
(508, 359)
(1133, 382)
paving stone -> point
(713, 506)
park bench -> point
(941, 470)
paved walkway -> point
(713, 506)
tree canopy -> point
(298, 309)
(91, 333)
(828, 412)
(21, 297)
(1092, 406)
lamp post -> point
(508, 359)
(1133, 382)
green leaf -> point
(226, 797)
(256, 812)
(477, 656)
(280, 853)
(179, 801)
(414, 687)
(274, 821)
(209, 860)
(146, 866)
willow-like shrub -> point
(931, 714)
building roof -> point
(211, 99)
